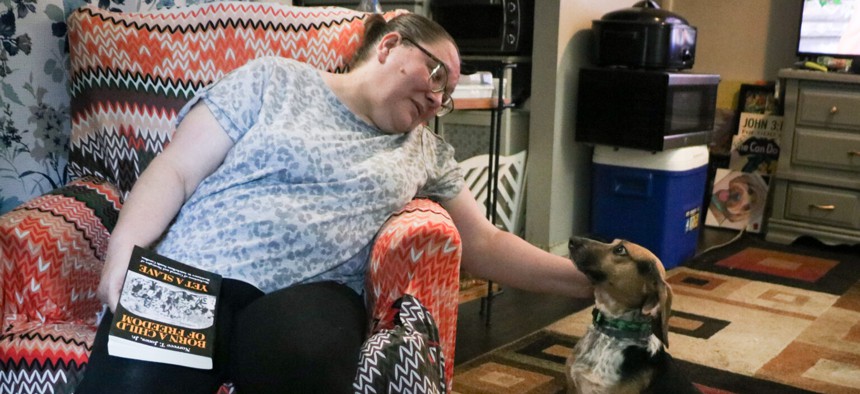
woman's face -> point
(407, 98)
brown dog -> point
(624, 349)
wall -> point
(745, 40)
(742, 40)
(34, 103)
(558, 176)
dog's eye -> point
(620, 250)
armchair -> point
(130, 74)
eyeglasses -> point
(438, 80)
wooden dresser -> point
(816, 189)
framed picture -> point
(738, 201)
(757, 99)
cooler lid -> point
(681, 159)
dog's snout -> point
(575, 244)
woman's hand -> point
(198, 147)
(502, 257)
(113, 274)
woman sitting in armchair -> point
(278, 177)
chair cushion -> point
(132, 72)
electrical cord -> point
(727, 243)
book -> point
(166, 312)
(756, 146)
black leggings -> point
(305, 338)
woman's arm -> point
(502, 257)
(198, 147)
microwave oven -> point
(645, 109)
(487, 27)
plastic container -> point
(651, 198)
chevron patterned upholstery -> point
(51, 253)
(130, 74)
(422, 235)
(413, 338)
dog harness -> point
(635, 327)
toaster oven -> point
(487, 27)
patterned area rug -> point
(750, 318)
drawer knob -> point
(827, 207)
(833, 110)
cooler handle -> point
(633, 185)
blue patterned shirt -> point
(307, 184)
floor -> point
(515, 314)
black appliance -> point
(644, 36)
(645, 109)
(416, 6)
(487, 27)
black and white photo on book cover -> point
(166, 312)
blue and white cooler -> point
(654, 199)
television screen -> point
(829, 28)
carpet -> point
(752, 317)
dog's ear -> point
(658, 303)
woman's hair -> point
(414, 26)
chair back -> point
(131, 73)
(512, 180)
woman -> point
(278, 177)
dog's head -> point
(625, 276)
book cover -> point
(166, 312)
(756, 146)
(737, 201)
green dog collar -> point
(621, 328)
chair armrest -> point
(417, 252)
(51, 252)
